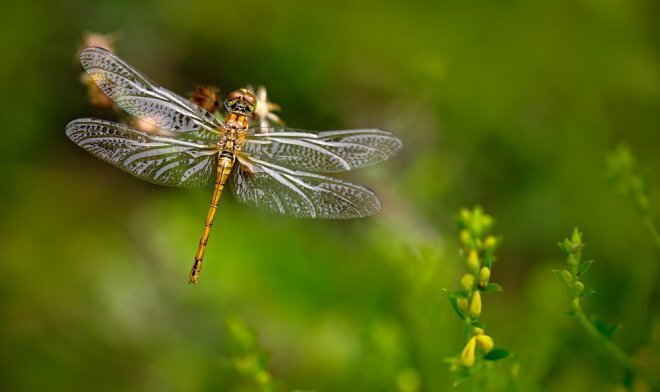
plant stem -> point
(609, 345)
(615, 351)
(477, 380)
(651, 228)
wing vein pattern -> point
(142, 98)
(157, 159)
(301, 194)
(322, 152)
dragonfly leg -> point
(224, 167)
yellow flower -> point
(473, 263)
(490, 243)
(485, 343)
(484, 275)
(467, 356)
(465, 214)
(467, 282)
(475, 305)
(465, 237)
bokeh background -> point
(510, 105)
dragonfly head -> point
(242, 101)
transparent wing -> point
(305, 195)
(161, 160)
(142, 98)
(322, 152)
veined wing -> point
(327, 151)
(300, 194)
(142, 98)
(158, 159)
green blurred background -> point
(512, 105)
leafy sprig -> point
(571, 277)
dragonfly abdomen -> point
(225, 164)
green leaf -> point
(454, 302)
(584, 267)
(566, 246)
(497, 354)
(462, 374)
(606, 330)
(561, 246)
(587, 292)
(492, 288)
(461, 378)
(558, 274)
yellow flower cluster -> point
(478, 248)
(478, 339)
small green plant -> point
(247, 360)
(630, 181)
(478, 252)
(600, 332)
(575, 289)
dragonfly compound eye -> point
(241, 101)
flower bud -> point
(475, 305)
(487, 222)
(572, 260)
(467, 356)
(473, 263)
(485, 343)
(575, 304)
(578, 287)
(477, 331)
(484, 275)
(465, 215)
(467, 282)
(465, 237)
(576, 238)
(462, 304)
(490, 243)
(566, 276)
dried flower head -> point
(206, 97)
(264, 110)
(105, 41)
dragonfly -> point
(277, 169)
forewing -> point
(300, 194)
(161, 160)
(142, 98)
(322, 152)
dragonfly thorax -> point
(232, 139)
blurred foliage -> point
(630, 181)
(247, 361)
(511, 105)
